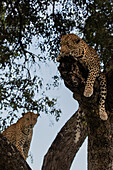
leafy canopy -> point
(21, 21)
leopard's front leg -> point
(20, 143)
(90, 83)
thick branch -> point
(75, 75)
(10, 158)
(66, 144)
(100, 133)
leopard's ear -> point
(61, 35)
(23, 114)
(38, 114)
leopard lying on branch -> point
(72, 45)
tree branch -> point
(100, 133)
(67, 143)
(10, 157)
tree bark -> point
(66, 144)
(10, 158)
(100, 133)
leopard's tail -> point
(103, 94)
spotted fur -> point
(72, 45)
(20, 133)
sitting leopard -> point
(72, 45)
(20, 133)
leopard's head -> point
(29, 120)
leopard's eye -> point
(27, 118)
(34, 118)
(77, 41)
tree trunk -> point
(66, 144)
(10, 158)
(100, 145)
(100, 133)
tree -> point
(100, 146)
(67, 143)
(72, 135)
(20, 22)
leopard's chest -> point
(91, 62)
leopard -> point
(72, 45)
(20, 133)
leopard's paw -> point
(88, 92)
(103, 115)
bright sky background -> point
(47, 128)
(45, 132)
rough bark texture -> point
(100, 133)
(10, 158)
(66, 144)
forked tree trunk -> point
(100, 133)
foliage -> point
(21, 21)
(98, 28)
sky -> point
(47, 128)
